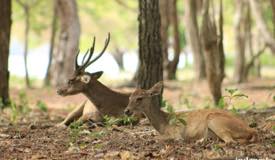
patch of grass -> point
(75, 129)
(20, 108)
(42, 106)
(124, 120)
(216, 147)
(98, 134)
(23, 105)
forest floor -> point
(29, 132)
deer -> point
(198, 125)
(105, 100)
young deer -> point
(198, 124)
(105, 100)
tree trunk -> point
(172, 66)
(118, 56)
(165, 23)
(26, 46)
(193, 38)
(261, 25)
(63, 58)
(5, 23)
(52, 44)
(213, 50)
(240, 40)
(150, 52)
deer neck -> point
(157, 118)
(101, 95)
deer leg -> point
(72, 116)
(90, 113)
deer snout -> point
(61, 92)
(128, 112)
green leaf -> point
(221, 103)
(42, 106)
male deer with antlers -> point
(105, 100)
(198, 124)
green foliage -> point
(98, 134)
(75, 129)
(274, 98)
(221, 103)
(23, 105)
(42, 106)
(124, 120)
(14, 113)
(216, 147)
(231, 98)
(173, 117)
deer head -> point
(140, 98)
(80, 79)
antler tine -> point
(103, 50)
(83, 59)
(76, 66)
(90, 53)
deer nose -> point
(60, 91)
(127, 112)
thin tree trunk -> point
(150, 55)
(213, 50)
(118, 56)
(26, 46)
(172, 66)
(5, 23)
(193, 38)
(240, 40)
(63, 58)
(52, 44)
(261, 25)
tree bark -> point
(26, 7)
(172, 66)
(213, 50)
(5, 23)
(63, 58)
(193, 38)
(165, 23)
(150, 52)
(240, 40)
(52, 44)
(261, 25)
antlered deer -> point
(198, 124)
(105, 100)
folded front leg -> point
(72, 116)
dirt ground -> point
(33, 135)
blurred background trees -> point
(194, 39)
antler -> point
(90, 53)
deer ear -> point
(97, 75)
(156, 89)
(85, 79)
